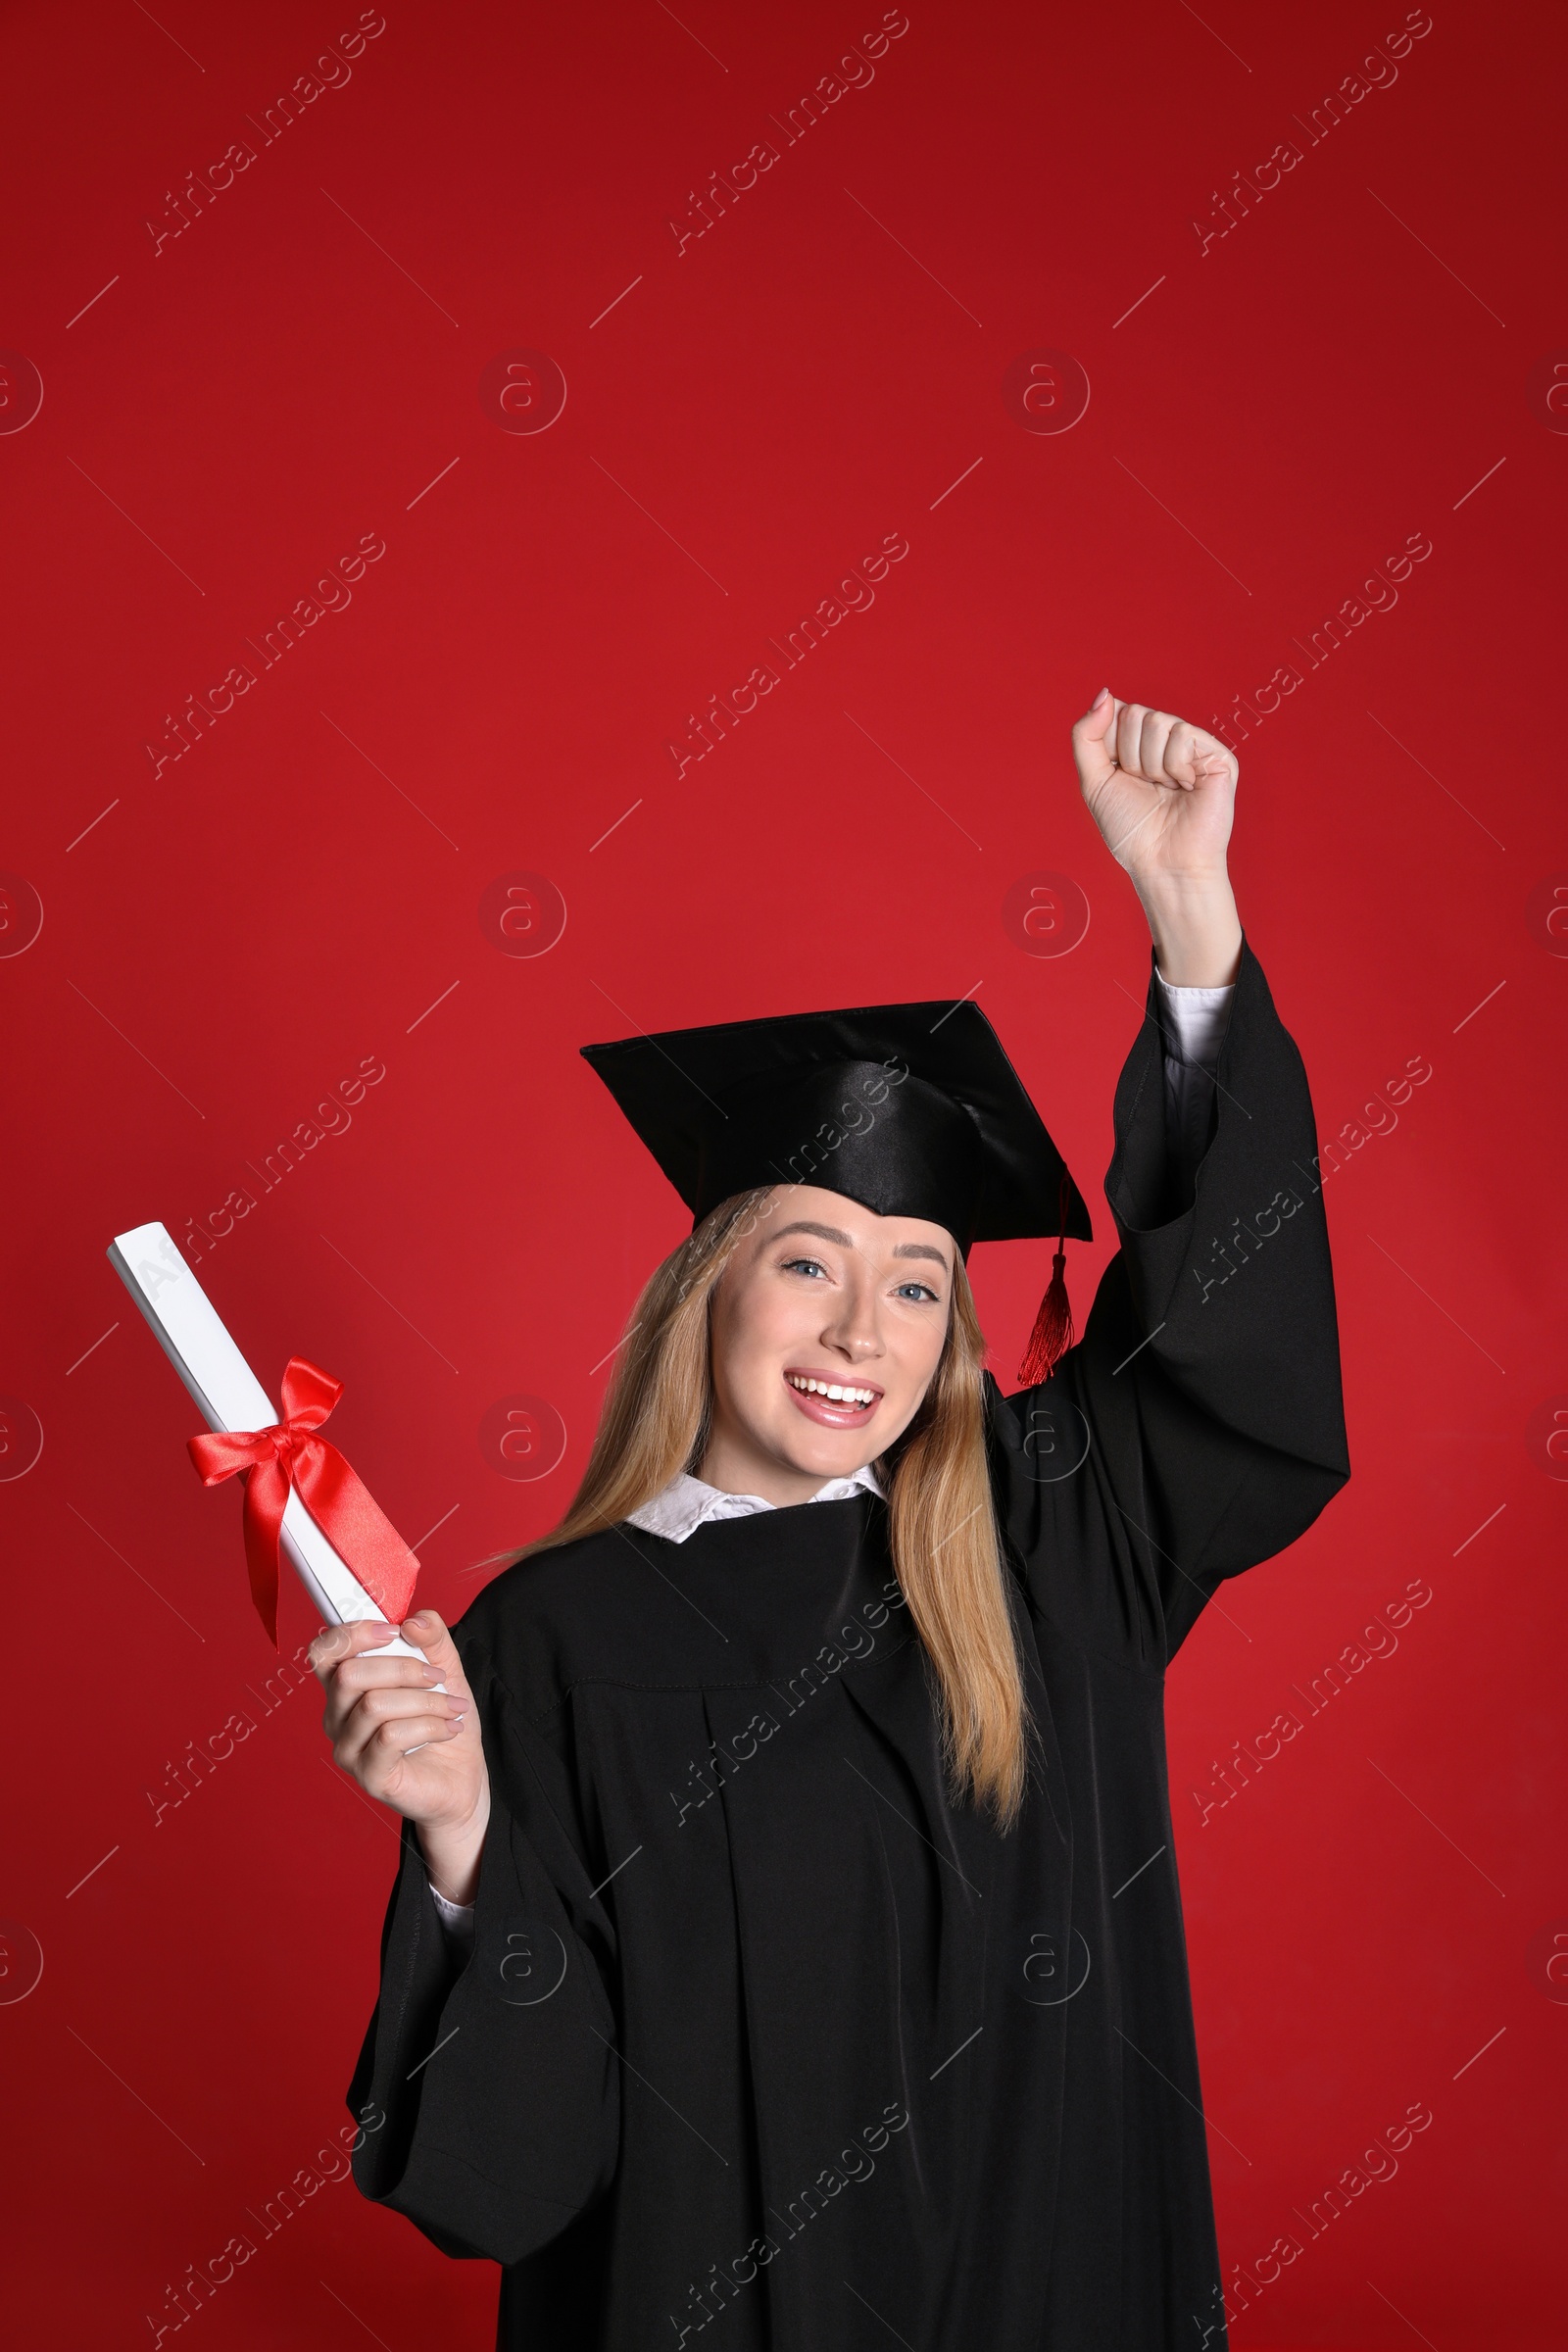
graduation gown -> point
(766, 2044)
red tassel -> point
(1052, 1334)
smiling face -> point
(827, 1327)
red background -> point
(223, 940)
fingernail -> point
(1099, 698)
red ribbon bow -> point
(290, 1454)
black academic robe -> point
(766, 2044)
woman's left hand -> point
(1162, 792)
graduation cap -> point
(913, 1111)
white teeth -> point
(834, 1391)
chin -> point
(826, 1453)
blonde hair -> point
(947, 1551)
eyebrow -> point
(831, 1232)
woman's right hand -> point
(380, 1708)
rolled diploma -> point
(228, 1396)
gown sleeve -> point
(1197, 1427)
(486, 2091)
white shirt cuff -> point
(1196, 1020)
(456, 1918)
(1198, 1017)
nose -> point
(854, 1331)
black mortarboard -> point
(915, 1110)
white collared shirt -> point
(688, 1503)
(1198, 1018)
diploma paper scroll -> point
(228, 1396)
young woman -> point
(787, 1949)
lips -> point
(831, 1400)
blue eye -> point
(800, 1266)
(924, 1290)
